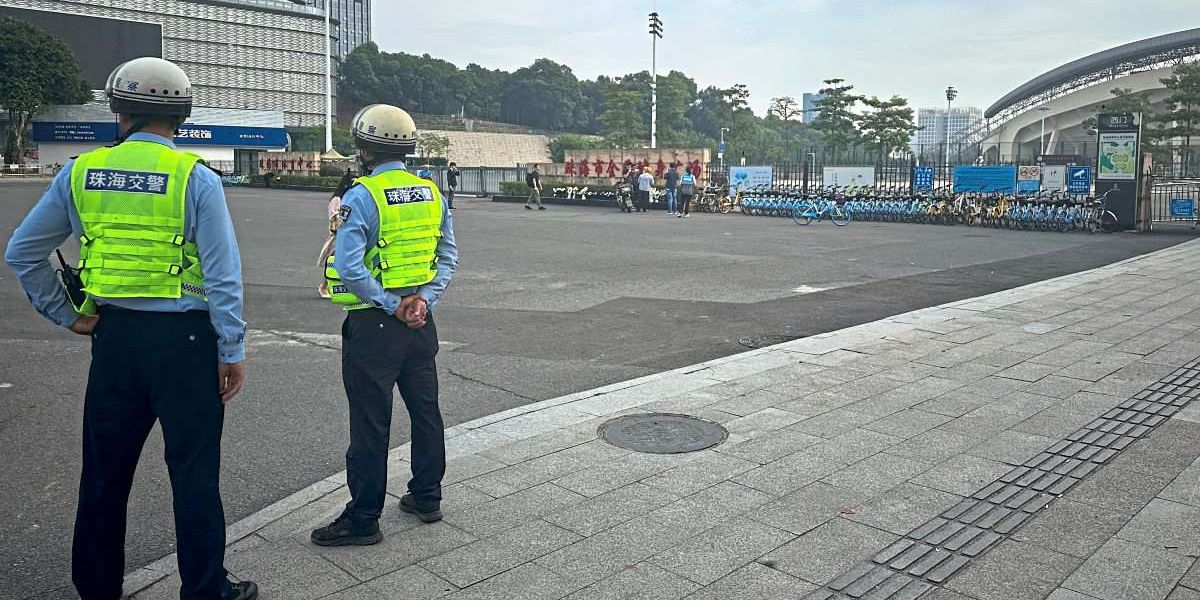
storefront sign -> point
(189, 134)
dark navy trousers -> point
(149, 366)
(380, 353)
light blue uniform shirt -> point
(361, 231)
(206, 222)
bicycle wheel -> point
(1108, 222)
(725, 206)
(802, 216)
(840, 217)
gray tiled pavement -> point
(840, 445)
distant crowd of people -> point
(681, 184)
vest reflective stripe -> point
(131, 203)
(410, 224)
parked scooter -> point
(625, 196)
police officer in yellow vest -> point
(394, 256)
(162, 277)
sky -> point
(913, 48)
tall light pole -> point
(721, 153)
(1042, 140)
(951, 94)
(328, 82)
(655, 34)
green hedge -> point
(301, 180)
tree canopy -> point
(36, 71)
(548, 95)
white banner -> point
(1054, 178)
(849, 176)
(742, 178)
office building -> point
(931, 136)
(810, 104)
(258, 55)
(353, 23)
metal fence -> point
(482, 181)
(1174, 201)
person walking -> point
(645, 186)
(160, 294)
(672, 184)
(533, 179)
(451, 184)
(393, 258)
(687, 191)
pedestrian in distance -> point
(533, 179)
(687, 191)
(672, 181)
(394, 256)
(451, 184)
(645, 186)
(158, 288)
(632, 177)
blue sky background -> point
(914, 48)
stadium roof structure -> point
(1106, 65)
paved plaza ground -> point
(545, 305)
(1034, 443)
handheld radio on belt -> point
(71, 282)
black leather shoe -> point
(243, 590)
(342, 532)
(427, 512)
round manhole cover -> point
(661, 433)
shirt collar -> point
(142, 136)
(388, 166)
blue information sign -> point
(721, 147)
(1079, 180)
(1183, 207)
(998, 179)
(923, 179)
(189, 134)
(1028, 186)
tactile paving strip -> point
(930, 554)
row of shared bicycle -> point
(841, 205)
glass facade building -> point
(240, 54)
(353, 23)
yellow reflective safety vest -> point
(130, 199)
(410, 224)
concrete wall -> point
(470, 149)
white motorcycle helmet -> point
(386, 129)
(149, 86)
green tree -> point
(784, 108)
(837, 122)
(1181, 119)
(622, 122)
(544, 95)
(888, 126)
(571, 141)
(310, 139)
(36, 70)
(1123, 100)
(431, 145)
